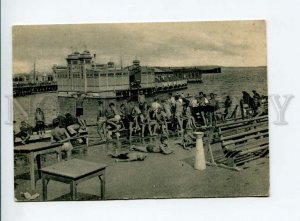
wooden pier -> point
(33, 88)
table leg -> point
(102, 187)
(73, 188)
(45, 184)
(58, 156)
(39, 165)
(32, 175)
(87, 144)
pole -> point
(34, 71)
(200, 162)
(84, 74)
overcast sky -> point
(231, 43)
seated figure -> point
(25, 132)
(61, 135)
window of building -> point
(89, 75)
(76, 75)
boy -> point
(25, 132)
(114, 124)
(101, 121)
(188, 140)
(161, 118)
(61, 135)
(39, 122)
(190, 119)
(178, 112)
(162, 148)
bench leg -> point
(32, 172)
(58, 155)
(39, 165)
(102, 186)
(45, 184)
(73, 188)
(231, 162)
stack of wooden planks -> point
(242, 141)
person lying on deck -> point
(163, 147)
(61, 135)
(128, 156)
(188, 140)
(140, 153)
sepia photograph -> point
(122, 111)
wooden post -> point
(32, 171)
(200, 162)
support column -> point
(200, 162)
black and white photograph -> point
(121, 111)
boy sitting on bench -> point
(25, 132)
(61, 135)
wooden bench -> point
(244, 143)
(236, 126)
(73, 172)
(34, 138)
(83, 145)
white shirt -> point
(194, 103)
(155, 105)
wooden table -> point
(34, 151)
(73, 172)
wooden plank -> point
(250, 132)
(247, 156)
(242, 127)
(250, 145)
(237, 127)
(265, 117)
(254, 149)
(239, 163)
(248, 159)
(244, 139)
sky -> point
(224, 43)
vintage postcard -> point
(140, 111)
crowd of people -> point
(176, 112)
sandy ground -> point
(159, 176)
